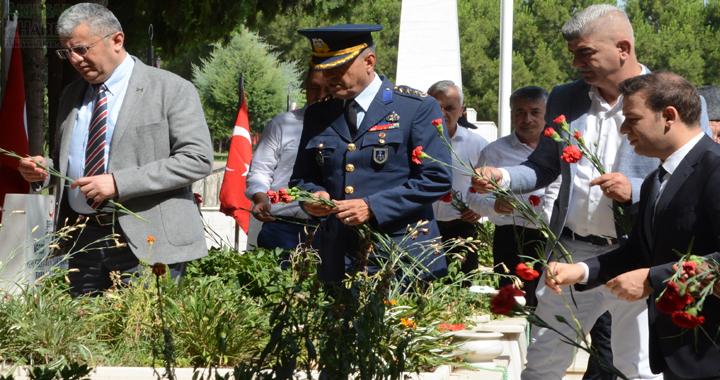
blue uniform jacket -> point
(398, 191)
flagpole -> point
(241, 94)
(151, 49)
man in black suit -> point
(679, 204)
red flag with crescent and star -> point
(13, 127)
(232, 193)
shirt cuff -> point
(505, 183)
(587, 274)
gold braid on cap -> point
(354, 52)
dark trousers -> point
(461, 229)
(95, 255)
(286, 235)
(511, 242)
(669, 375)
(600, 337)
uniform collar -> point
(367, 96)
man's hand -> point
(615, 186)
(503, 207)
(352, 211)
(97, 187)
(565, 275)
(261, 210)
(316, 209)
(470, 216)
(31, 171)
(631, 286)
(483, 185)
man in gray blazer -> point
(132, 134)
(602, 42)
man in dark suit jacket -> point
(153, 144)
(679, 204)
(356, 148)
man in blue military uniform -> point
(356, 149)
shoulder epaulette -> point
(409, 91)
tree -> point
(266, 82)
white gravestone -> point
(26, 232)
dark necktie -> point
(351, 117)
(95, 149)
(655, 191)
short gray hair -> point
(582, 23)
(443, 86)
(529, 93)
(98, 18)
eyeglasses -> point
(80, 51)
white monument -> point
(429, 49)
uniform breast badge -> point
(380, 155)
(392, 118)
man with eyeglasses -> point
(128, 134)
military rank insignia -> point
(392, 118)
(380, 155)
(384, 126)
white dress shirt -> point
(589, 211)
(117, 85)
(365, 98)
(468, 146)
(510, 151)
(273, 161)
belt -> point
(592, 239)
(100, 219)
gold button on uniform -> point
(382, 135)
(350, 167)
(351, 147)
(349, 190)
(382, 141)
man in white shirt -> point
(467, 145)
(514, 237)
(284, 226)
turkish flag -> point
(232, 193)
(13, 129)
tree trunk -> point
(32, 33)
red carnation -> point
(504, 302)
(526, 273)
(559, 119)
(671, 300)
(437, 122)
(534, 200)
(549, 132)
(285, 198)
(447, 197)
(689, 266)
(448, 327)
(198, 198)
(282, 191)
(577, 136)
(417, 155)
(472, 190)
(274, 197)
(571, 154)
(687, 319)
